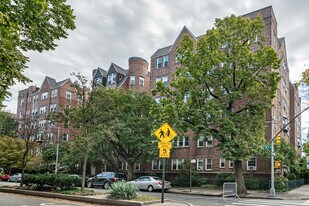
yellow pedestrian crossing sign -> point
(164, 153)
(165, 133)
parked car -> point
(15, 178)
(150, 183)
(105, 179)
(5, 177)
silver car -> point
(15, 178)
(150, 183)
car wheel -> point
(89, 184)
(150, 188)
(16, 180)
(106, 185)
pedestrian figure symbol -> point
(162, 133)
(168, 132)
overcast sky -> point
(115, 30)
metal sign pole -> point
(163, 177)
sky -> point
(115, 30)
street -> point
(195, 200)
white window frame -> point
(44, 95)
(159, 62)
(111, 78)
(222, 162)
(165, 61)
(231, 164)
(132, 79)
(209, 141)
(65, 137)
(141, 81)
(53, 93)
(137, 166)
(249, 164)
(68, 94)
(200, 164)
(180, 142)
(98, 80)
(208, 164)
(43, 109)
(176, 163)
(53, 107)
(165, 80)
(201, 142)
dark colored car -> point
(5, 177)
(105, 179)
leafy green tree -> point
(28, 25)
(49, 155)
(224, 88)
(124, 127)
(8, 124)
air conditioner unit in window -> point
(251, 168)
(199, 168)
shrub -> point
(281, 183)
(122, 190)
(51, 181)
(252, 183)
(291, 176)
(225, 177)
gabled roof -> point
(99, 70)
(50, 81)
(59, 84)
(166, 50)
(118, 69)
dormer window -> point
(98, 80)
(111, 78)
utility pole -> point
(272, 192)
(57, 151)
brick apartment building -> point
(208, 161)
(35, 104)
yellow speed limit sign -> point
(164, 153)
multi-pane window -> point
(158, 79)
(50, 137)
(222, 162)
(251, 164)
(44, 95)
(200, 141)
(157, 164)
(159, 63)
(137, 166)
(165, 61)
(53, 108)
(21, 102)
(209, 142)
(35, 98)
(111, 78)
(132, 80)
(208, 164)
(181, 142)
(200, 164)
(42, 123)
(141, 81)
(43, 109)
(231, 164)
(98, 80)
(176, 163)
(53, 93)
(68, 94)
(65, 137)
(34, 111)
(165, 80)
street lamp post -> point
(272, 192)
(57, 151)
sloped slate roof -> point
(50, 81)
(119, 69)
(102, 71)
(58, 84)
(162, 51)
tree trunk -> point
(241, 187)
(23, 165)
(84, 170)
(130, 170)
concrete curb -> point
(76, 198)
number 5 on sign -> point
(164, 153)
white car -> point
(150, 183)
(15, 178)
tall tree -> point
(224, 88)
(28, 25)
(125, 127)
(8, 124)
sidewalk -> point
(300, 193)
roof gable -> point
(115, 68)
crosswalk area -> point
(268, 202)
